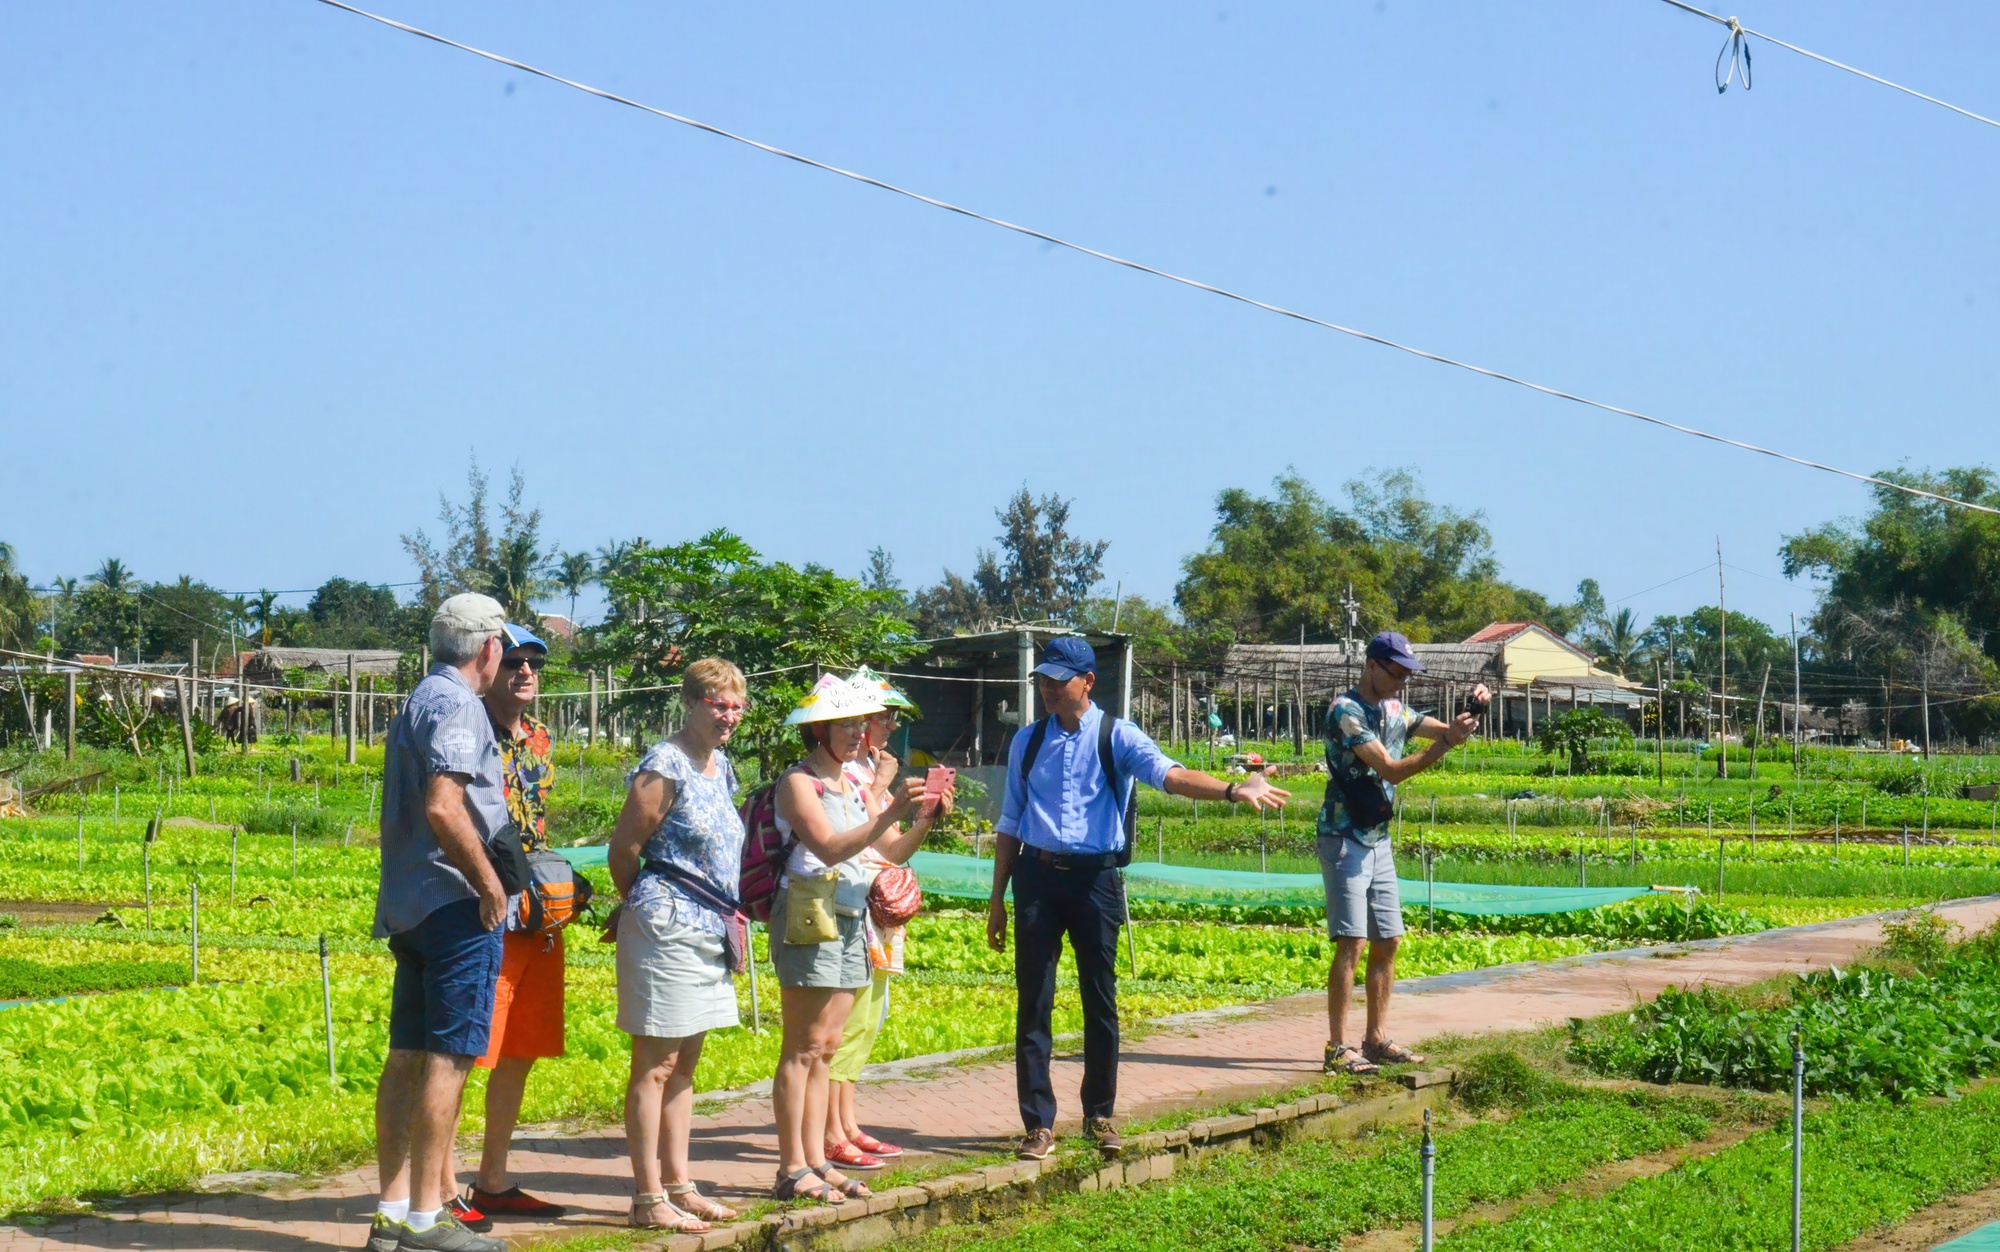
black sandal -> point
(852, 1188)
(806, 1184)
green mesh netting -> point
(1984, 1239)
(971, 878)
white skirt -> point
(673, 978)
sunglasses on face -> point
(727, 708)
(534, 663)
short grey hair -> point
(462, 626)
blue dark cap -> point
(1391, 646)
(1067, 656)
(513, 636)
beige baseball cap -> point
(469, 611)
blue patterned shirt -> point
(702, 833)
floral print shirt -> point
(529, 771)
(702, 833)
(1350, 723)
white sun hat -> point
(833, 698)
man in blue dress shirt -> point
(1064, 831)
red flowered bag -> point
(895, 897)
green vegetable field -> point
(122, 1076)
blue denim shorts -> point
(446, 969)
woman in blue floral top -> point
(674, 856)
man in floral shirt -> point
(1366, 732)
(528, 1002)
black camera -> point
(1477, 705)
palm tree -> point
(17, 603)
(516, 578)
(1618, 644)
(260, 611)
(113, 576)
(574, 572)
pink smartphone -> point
(937, 781)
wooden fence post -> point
(353, 691)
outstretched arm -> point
(1254, 790)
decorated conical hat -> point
(833, 698)
(888, 694)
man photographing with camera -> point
(1366, 730)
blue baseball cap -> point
(512, 636)
(1066, 656)
(1391, 646)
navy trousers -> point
(1088, 906)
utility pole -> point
(1660, 685)
(1926, 679)
(1299, 702)
(1722, 681)
(1799, 709)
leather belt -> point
(1070, 860)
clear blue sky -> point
(272, 272)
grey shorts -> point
(673, 979)
(837, 963)
(1361, 895)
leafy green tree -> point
(1909, 602)
(19, 627)
(344, 613)
(510, 566)
(104, 616)
(1041, 572)
(716, 596)
(1573, 731)
(1276, 564)
(175, 614)
(1694, 643)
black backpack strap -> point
(1034, 748)
(1108, 759)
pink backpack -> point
(765, 849)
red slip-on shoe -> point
(514, 1202)
(847, 1156)
(875, 1147)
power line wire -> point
(1045, 237)
(1737, 30)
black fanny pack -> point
(509, 856)
(1368, 799)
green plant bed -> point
(1867, 1165)
(1867, 1031)
(31, 980)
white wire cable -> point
(1198, 285)
(1738, 30)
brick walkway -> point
(1200, 1058)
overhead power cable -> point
(1114, 259)
(1739, 58)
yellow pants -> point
(871, 1008)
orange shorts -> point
(528, 1000)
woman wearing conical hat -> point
(817, 941)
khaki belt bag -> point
(809, 908)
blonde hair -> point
(710, 676)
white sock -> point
(420, 1222)
(394, 1210)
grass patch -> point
(1867, 1165)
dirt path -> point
(1193, 1060)
(1934, 1224)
